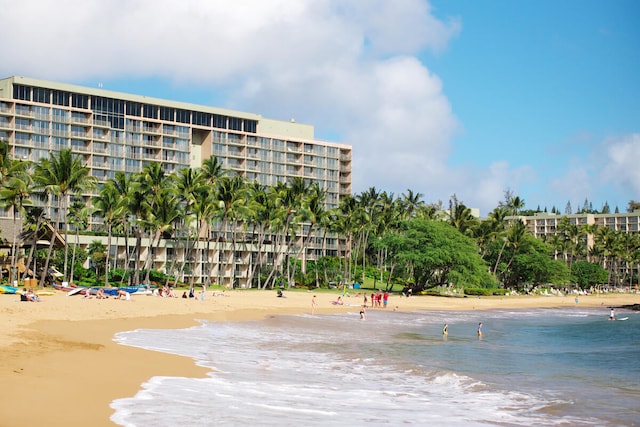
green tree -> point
(97, 255)
(14, 194)
(61, 175)
(586, 274)
(108, 205)
(531, 264)
(436, 253)
(79, 215)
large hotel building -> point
(114, 132)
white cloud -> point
(621, 167)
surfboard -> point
(75, 291)
(623, 318)
(45, 293)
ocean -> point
(542, 367)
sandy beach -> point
(60, 365)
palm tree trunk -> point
(106, 268)
(46, 263)
(73, 255)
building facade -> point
(545, 225)
(114, 132)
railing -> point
(101, 123)
(84, 120)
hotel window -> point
(22, 153)
(36, 155)
(219, 136)
(167, 114)
(41, 95)
(250, 126)
(134, 109)
(60, 143)
(24, 124)
(278, 157)
(150, 111)
(41, 112)
(22, 138)
(183, 116)
(219, 121)
(235, 123)
(60, 97)
(23, 110)
(40, 126)
(182, 157)
(201, 119)
(22, 92)
(107, 105)
(219, 149)
(80, 101)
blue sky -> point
(470, 98)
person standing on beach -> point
(385, 299)
(314, 303)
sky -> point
(472, 98)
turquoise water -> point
(532, 367)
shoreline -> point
(60, 361)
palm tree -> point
(123, 187)
(11, 168)
(96, 251)
(346, 225)
(490, 230)
(412, 202)
(8, 165)
(161, 220)
(137, 204)
(510, 207)
(108, 207)
(313, 213)
(212, 170)
(62, 175)
(79, 215)
(460, 217)
(14, 194)
(35, 217)
(231, 201)
(151, 181)
(205, 209)
(260, 207)
(194, 194)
